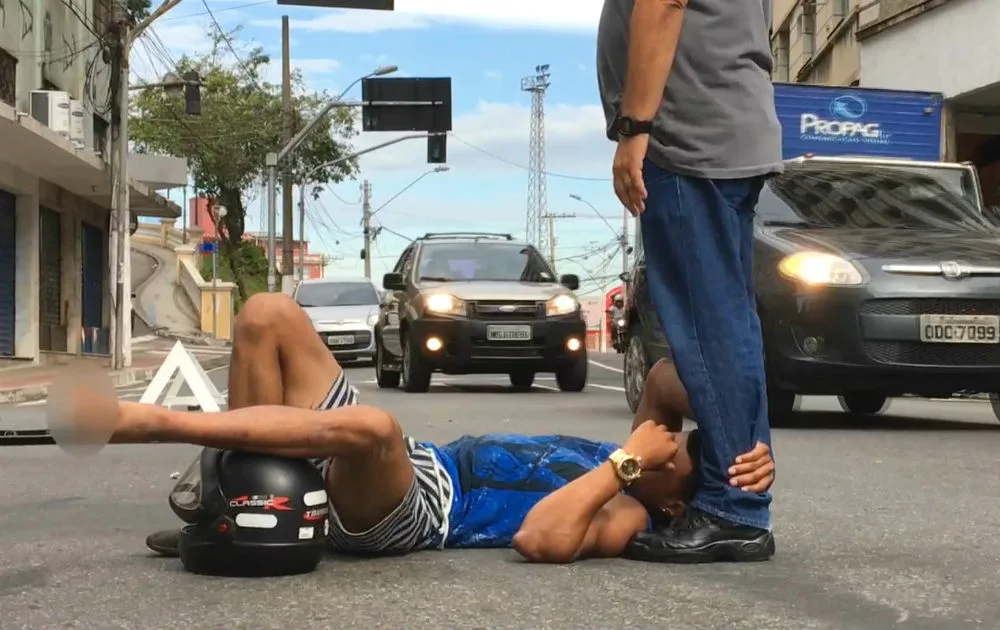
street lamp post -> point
(622, 238)
(368, 213)
(273, 159)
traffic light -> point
(437, 149)
(192, 93)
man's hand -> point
(753, 471)
(652, 443)
(627, 170)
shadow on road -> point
(805, 420)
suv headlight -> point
(818, 268)
(373, 319)
(444, 304)
(561, 305)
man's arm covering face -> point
(588, 517)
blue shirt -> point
(497, 479)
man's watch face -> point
(630, 468)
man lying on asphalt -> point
(553, 498)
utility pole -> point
(366, 221)
(302, 229)
(535, 232)
(551, 218)
(287, 212)
(120, 333)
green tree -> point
(240, 123)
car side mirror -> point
(570, 281)
(623, 276)
(393, 282)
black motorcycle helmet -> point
(250, 515)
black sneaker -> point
(698, 537)
(165, 542)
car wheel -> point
(866, 404)
(781, 404)
(572, 377)
(636, 368)
(522, 381)
(416, 372)
(386, 379)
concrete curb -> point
(119, 379)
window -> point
(874, 196)
(457, 262)
(807, 22)
(315, 294)
(8, 78)
(779, 49)
(840, 9)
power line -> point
(498, 158)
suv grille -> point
(935, 306)
(506, 309)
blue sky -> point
(486, 51)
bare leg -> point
(280, 373)
(664, 399)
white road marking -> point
(607, 367)
(613, 388)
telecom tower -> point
(536, 229)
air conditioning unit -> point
(51, 108)
(77, 124)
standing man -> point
(687, 95)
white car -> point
(343, 312)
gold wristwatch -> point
(628, 467)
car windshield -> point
(458, 262)
(336, 294)
(871, 195)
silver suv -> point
(478, 303)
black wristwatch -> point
(628, 127)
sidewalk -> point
(24, 384)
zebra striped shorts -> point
(420, 521)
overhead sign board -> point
(831, 121)
(406, 104)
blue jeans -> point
(698, 238)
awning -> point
(35, 149)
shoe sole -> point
(163, 550)
(760, 549)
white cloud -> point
(310, 68)
(548, 15)
(492, 75)
(575, 142)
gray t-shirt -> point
(717, 117)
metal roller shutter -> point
(8, 258)
(52, 328)
(92, 292)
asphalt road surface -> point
(881, 523)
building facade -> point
(313, 265)
(938, 46)
(55, 184)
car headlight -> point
(373, 319)
(444, 304)
(818, 268)
(561, 305)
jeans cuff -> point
(733, 518)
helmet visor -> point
(186, 497)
